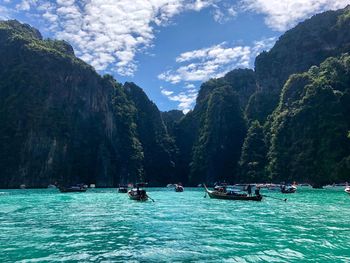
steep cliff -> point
(158, 147)
(308, 44)
(62, 122)
(211, 136)
(309, 128)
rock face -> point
(287, 120)
(258, 93)
(211, 136)
(158, 147)
(62, 122)
(309, 128)
(308, 44)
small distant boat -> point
(232, 195)
(123, 189)
(347, 190)
(288, 189)
(138, 194)
(92, 186)
(179, 188)
(73, 189)
(23, 186)
(51, 186)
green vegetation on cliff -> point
(308, 44)
(62, 122)
(286, 121)
(310, 125)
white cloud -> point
(166, 92)
(215, 61)
(4, 13)
(189, 86)
(224, 13)
(186, 99)
(107, 33)
(206, 63)
(282, 15)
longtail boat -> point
(232, 195)
(288, 189)
(138, 194)
(72, 189)
(179, 188)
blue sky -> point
(167, 47)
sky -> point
(167, 47)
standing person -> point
(249, 190)
(257, 191)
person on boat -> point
(257, 191)
(249, 190)
(138, 190)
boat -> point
(347, 190)
(123, 189)
(73, 189)
(179, 188)
(52, 186)
(22, 186)
(288, 189)
(138, 194)
(231, 195)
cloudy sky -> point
(168, 47)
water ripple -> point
(101, 225)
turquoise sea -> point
(104, 226)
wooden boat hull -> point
(225, 196)
(291, 191)
(179, 189)
(72, 190)
(137, 197)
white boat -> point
(347, 190)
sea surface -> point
(104, 226)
